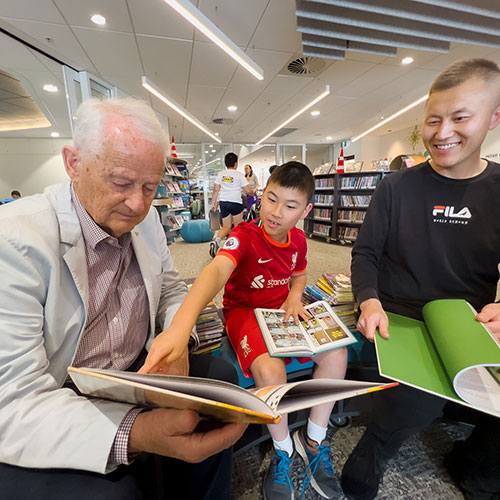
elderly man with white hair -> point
(87, 280)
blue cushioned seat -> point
(196, 231)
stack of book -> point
(336, 290)
(210, 328)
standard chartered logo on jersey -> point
(260, 282)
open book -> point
(214, 398)
(321, 332)
(450, 354)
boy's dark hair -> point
(230, 160)
(296, 175)
(15, 193)
(464, 70)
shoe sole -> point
(303, 454)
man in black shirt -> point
(433, 232)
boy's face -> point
(456, 123)
(281, 209)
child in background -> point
(263, 264)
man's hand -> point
(372, 317)
(294, 308)
(170, 433)
(168, 353)
(490, 317)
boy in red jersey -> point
(263, 264)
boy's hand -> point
(168, 354)
(294, 308)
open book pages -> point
(321, 332)
(214, 398)
(450, 354)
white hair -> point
(90, 118)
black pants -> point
(403, 411)
(150, 477)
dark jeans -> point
(403, 411)
(150, 477)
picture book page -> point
(296, 396)
(323, 327)
(284, 336)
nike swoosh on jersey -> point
(260, 261)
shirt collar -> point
(92, 233)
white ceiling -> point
(146, 37)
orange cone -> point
(173, 152)
(340, 162)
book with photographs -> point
(449, 354)
(213, 398)
(321, 332)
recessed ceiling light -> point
(329, 138)
(407, 60)
(315, 113)
(206, 152)
(212, 150)
(48, 87)
(232, 107)
(293, 157)
(98, 19)
(216, 133)
(54, 134)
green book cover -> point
(447, 354)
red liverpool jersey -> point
(263, 266)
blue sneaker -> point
(319, 469)
(277, 484)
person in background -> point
(228, 187)
(271, 252)
(251, 199)
(409, 251)
(87, 281)
(14, 195)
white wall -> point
(30, 165)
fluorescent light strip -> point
(187, 10)
(151, 87)
(395, 115)
(298, 113)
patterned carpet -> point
(416, 473)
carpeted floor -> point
(416, 473)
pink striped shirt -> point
(118, 313)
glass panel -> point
(290, 153)
(214, 163)
(318, 154)
(98, 90)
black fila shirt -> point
(429, 237)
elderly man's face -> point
(117, 187)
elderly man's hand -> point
(171, 433)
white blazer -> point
(43, 309)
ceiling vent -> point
(223, 121)
(307, 66)
(284, 131)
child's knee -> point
(270, 371)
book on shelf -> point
(449, 354)
(213, 398)
(321, 332)
(347, 233)
(362, 182)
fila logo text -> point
(449, 211)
